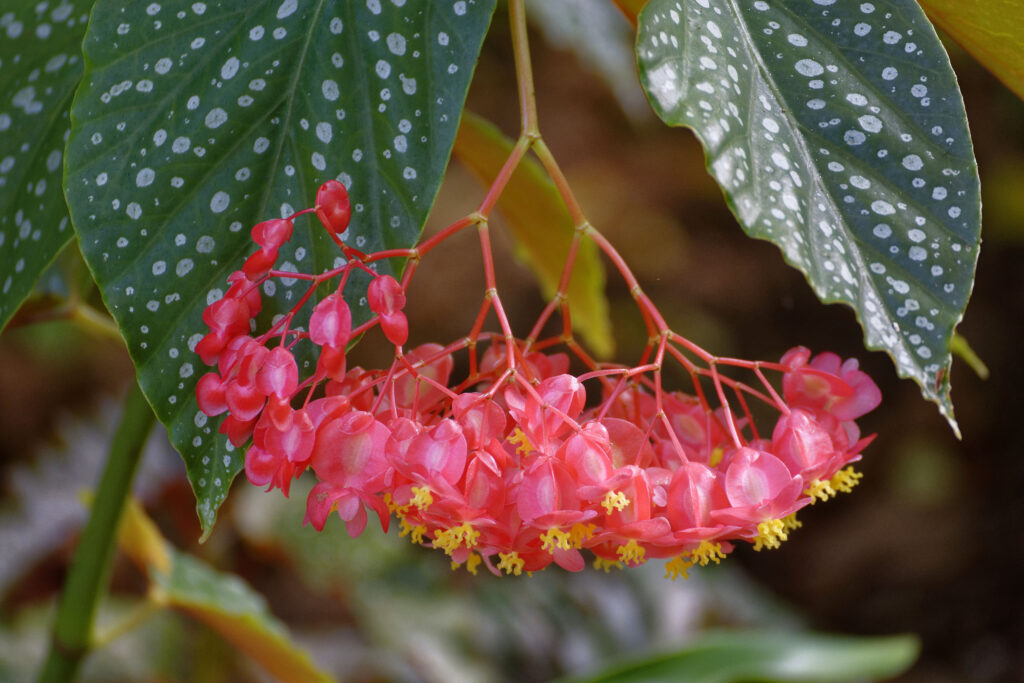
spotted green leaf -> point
(837, 131)
(196, 120)
(40, 65)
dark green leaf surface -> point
(197, 120)
(40, 65)
(837, 131)
(774, 656)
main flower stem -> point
(90, 567)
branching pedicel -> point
(523, 463)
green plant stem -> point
(90, 567)
(524, 70)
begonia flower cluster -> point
(524, 462)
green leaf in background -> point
(991, 30)
(222, 601)
(542, 228)
(789, 657)
(836, 131)
(40, 65)
(196, 120)
(229, 606)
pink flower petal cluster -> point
(519, 465)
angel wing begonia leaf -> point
(40, 66)
(836, 131)
(196, 120)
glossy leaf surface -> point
(196, 120)
(837, 131)
(775, 656)
(40, 66)
(542, 228)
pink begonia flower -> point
(759, 487)
(237, 430)
(805, 446)
(547, 497)
(210, 394)
(827, 383)
(331, 322)
(698, 430)
(481, 419)
(333, 206)
(695, 493)
(439, 452)
(259, 264)
(350, 451)
(548, 410)
(386, 298)
(348, 458)
(245, 290)
(484, 489)
(412, 392)
(536, 365)
(279, 375)
(272, 234)
(506, 465)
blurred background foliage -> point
(928, 544)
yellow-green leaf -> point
(222, 601)
(991, 30)
(542, 228)
(141, 540)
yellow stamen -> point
(706, 553)
(511, 563)
(791, 522)
(615, 500)
(556, 538)
(678, 566)
(581, 533)
(631, 553)
(405, 527)
(716, 456)
(606, 565)
(422, 497)
(472, 562)
(415, 533)
(770, 534)
(398, 510)
(449, 540)
(845, 479)
(820, 490)
(522, 443)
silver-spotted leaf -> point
(837, 131)
(40, 65)
(196, 120)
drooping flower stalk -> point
(540, 451)
(523, 463)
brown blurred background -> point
(931, 542)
